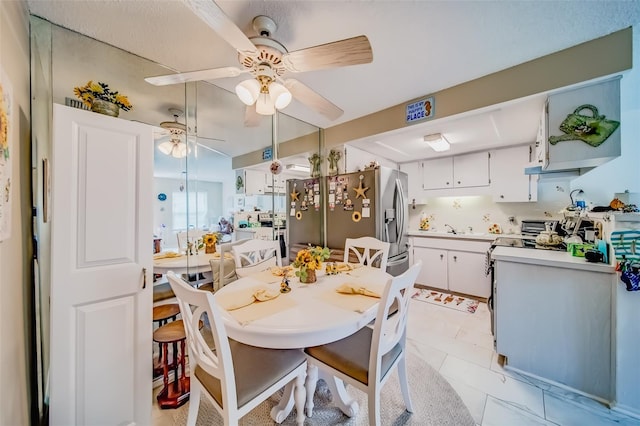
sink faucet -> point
(452, 229)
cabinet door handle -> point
(502, 196)
(144, 278)
(458, 182)
(455, 258)
(447, 183)
(441, 256)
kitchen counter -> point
(559, 259)
(458, 236)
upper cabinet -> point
(438, 173)
(414, 174)
(508, 181)
(581, 127)
(460, 171)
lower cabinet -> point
(453, 265)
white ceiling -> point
(419, 47)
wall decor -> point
(6, 144)
(591, 128)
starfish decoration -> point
(294, 195)
(360, 191)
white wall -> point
(15, 261)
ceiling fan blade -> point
(212, 15)
(251, 117)
(210, 74)
(313, 100)
(350, 51)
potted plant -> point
(308, 261)
(101, 99)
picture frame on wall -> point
(6, 146)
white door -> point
(101, 234)
(414, 174)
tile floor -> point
(460, 346)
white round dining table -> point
(310, 320)
(183, 264)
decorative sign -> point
(267, 154)
(421, 110)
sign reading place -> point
(421, 110)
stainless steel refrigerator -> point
(370, 203)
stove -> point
(529, 230)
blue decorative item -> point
(162, 196)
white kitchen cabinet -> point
(434, 267)
(466, 272)
(452, 264)
(275, 183)
(437, 173)
(508, 181)
(598, 104)
(414, 174)
(471, 170)
(460, 171)
(255, 182)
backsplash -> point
(479, 213)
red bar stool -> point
(162, 314)
(176, 393)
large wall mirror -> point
(192, 192)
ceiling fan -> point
(267, 60)
(173, 138)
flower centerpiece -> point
(308, 261)
(100, 98)
(209, 241)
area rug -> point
(447, 300)
(434, 403)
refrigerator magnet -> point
(348, 204)
(366, 212)
(356, 216)
(298, 215)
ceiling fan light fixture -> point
(180, 150)
(248, 91)
(280, 95)
(264, 106)
(166, 147)
(437, 142)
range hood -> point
(536, 169)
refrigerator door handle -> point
(400, 209)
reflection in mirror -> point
(192, 193)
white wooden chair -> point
(256, 255)
(235, 377)
(367, 358)
(368, 250)
(223, 269)
(185, 237)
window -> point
(189, 210)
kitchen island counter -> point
(553, 318)
(559, 259)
